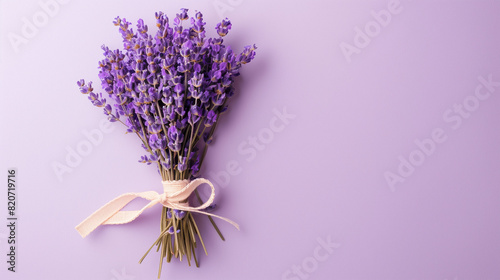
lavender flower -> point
(211, 207)
(170, 230)
(179, 214)
(223, 27)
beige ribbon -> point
(173, 193)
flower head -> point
(223, 27)
(179, 214)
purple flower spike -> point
(192, 118)
(182, 166)
(223, 27)
(211, 208)
(211, 118)
(179, 214)
(170, 230)
(195, 168)
(107, 110)
(144, 159)
(179, 88)
(207, 138)
(183, 15)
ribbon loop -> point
(174, 195)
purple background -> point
(320, 176)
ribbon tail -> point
(192, 209)
(217, 216)
(110, 213)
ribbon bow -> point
(173, 193)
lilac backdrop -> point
(385, 165)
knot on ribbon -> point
(174, 196)
(174, 192)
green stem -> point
(210, 218)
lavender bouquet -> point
(169, 89)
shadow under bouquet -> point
(168, 89)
